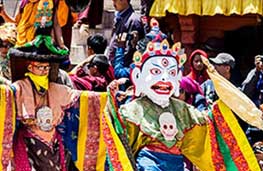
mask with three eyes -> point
(158, 69)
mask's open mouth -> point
(162, 87)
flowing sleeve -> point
(132, 116)
(220, 144)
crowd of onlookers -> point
(107, 61)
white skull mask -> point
(159, 77)
(168, 126)
(45, 118)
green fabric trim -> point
(117, 124)
(223, 148)
(49, 44)
(229, 163)
(109, 162)
(47, 40)
(38, 40)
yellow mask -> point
(39, 81)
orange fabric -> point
(25, 20)
(25, 23)
(74, 17)
(62, 13)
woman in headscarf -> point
(198, 69)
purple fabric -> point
(82, 81)
(190, 86)
(21, 158)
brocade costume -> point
(37, 148)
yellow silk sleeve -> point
(136, 138)
(196, 146)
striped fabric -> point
(7, 125)
(234, 145)
(96, 137)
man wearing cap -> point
(223, 63)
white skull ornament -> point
(45, 118)
(168, 126)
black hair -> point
(97, 43)
(101, 61)
(5, 44)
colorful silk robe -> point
(86, 132)
(219, 146)
(86, 125)
(26, 17)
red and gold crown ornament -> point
(155, 49)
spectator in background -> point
(224, 63)
(91, 76)
(253, 84)
(91, 73)
(96, 44)
(253, 88)
(126, 21)
(198, 69)
(92, 15)
(120, 70)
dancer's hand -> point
(114, 85)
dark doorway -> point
(244, 44)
